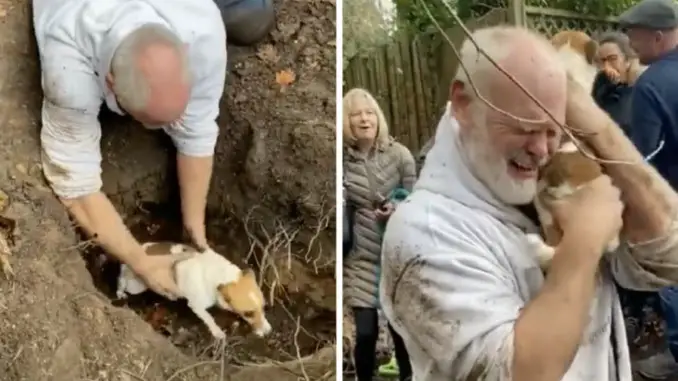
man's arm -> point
(462, 308)
(650, 260)
(195, 138)
(71, 157)
(650, 201)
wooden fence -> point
(410, 77)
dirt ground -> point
(272, 195)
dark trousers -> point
(365, 351)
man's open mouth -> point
(523, 168)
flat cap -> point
(651, 14)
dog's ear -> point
(224, 291)
(591, 51)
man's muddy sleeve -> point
(70, 133)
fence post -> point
(516, 12)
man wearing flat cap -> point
(652, 28)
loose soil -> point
(273, 190)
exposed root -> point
(278, 245)
(275, 249)
(323, 223)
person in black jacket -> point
(613, 86)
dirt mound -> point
(274, 182)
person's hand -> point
(383, 213)
(157, 272)
(591, 215)
(613, 75)
(197, 237)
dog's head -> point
(577, 51)
(568, 169)
(244, 297)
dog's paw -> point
(535, 241)
(541, 250)
(121, 294)
(612, 245)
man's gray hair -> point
(129, 84)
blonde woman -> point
(377, 172)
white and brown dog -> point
(205, 280)
(568, 171)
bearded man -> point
(459, 282)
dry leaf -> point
(285, 77)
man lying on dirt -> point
(161, 61)
(459, 281)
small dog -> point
(568, 171)
(578, 51)
(205, 280)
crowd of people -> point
(452, 272)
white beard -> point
(492, 169)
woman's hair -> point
(619, 39)
(350, 98)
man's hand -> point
(194, 179)
(590, 218)
(97, 216)
(157, 272)
(593, 214)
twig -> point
(296, 346)
(82, 245)
(323, 223)
(567, 130)
(270, 252)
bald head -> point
(149, 76)
(526, 56)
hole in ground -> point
(157, 222)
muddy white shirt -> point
(77, 39)
(456, 271)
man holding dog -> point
(163, 62)
(459, 282)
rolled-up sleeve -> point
(459, 306)
(648, 266)
(196, 134)
(70, 135)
